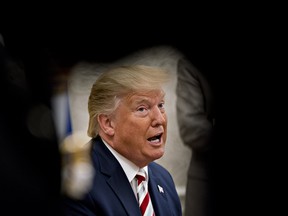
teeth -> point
(155, 140)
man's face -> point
(140, 126)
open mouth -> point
(155, 139)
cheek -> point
(134, 132)
(134, 128)
(165, 122)
(128, 128)
(165, 117)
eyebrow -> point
(139, 101)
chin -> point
(158, 154)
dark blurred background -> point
(229, 44)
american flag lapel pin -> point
(160, 189)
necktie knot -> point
(140, 176)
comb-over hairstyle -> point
(118, 82)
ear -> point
(106, 124)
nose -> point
(158, 117)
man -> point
(128, 127)
(196, 119)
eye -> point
(142, 109)
(161, 105)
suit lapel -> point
(123, 190)
(158, 195)
(117, 179)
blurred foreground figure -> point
(128, 127)
(77, 170)
(29, 158)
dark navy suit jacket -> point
(111, 193)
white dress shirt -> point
(129, 168)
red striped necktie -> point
(143, 196)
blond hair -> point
(116, 83)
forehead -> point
(138, 97)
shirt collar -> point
(129, 168)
